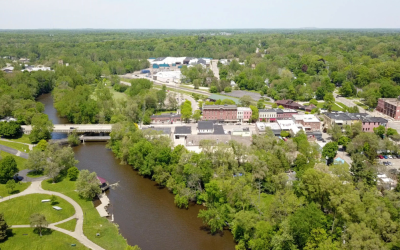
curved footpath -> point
(36, 188)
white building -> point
(36, 68)
(289, 125)
(243, 114)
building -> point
(268, 115)
(206, 127)
(182, 131)
(285, 114)
(262, 127)
(36, 68)
(193, 142)
(223, 113)
(290, 104)
(389, 107)
(164, 131)
(290, 126)
(166, 118)
(244, 114)
(369, 123)
(309, 122)
(8, 119)
(342, 119)
(241, 132)
(308, 108)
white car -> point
(390, 157)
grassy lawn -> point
(17, 146)
(21, 138)
(109, 236)
(362, 105)
(341, 104)
(26, 238)
(20, 161)
(21, 186)
(69, 225)
(334, 107)
(17, 211)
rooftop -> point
(263, 125)
(306, 118)
(194, 140)
(219, 107)
(393, 101)
(205, 125)
(243, 109)
(164, 130)
(183, 130)
(218, 130)
(271, 110)
(166, 115)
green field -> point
(17, 211)
(334, 107)
(19, 187)
(69, 225)
(17, 146)
(109, 236)
(21, 138)
(26, 238)
(20, 161)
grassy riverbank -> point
(18, 210)
(109, 235)
(26, 238)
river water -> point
(146, 214)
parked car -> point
(390, 157)
(385, 156)
(380, 156)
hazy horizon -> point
(205, 15)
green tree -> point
(347, 89)
(260, 104)
(254, 114)
(73, 139)
(39, 222)
(274, 105)
(280, 107)
(330, 150)
(36, 161)
(227, 102)
(186, 110)
(42, 145)
(329, 101)
(8, 168)
(73, 173)
(391, 131)
(285, 133)
(227, 89)
(53, 199)
(10, 185)
(313, 101)
(380, 131)
(213, 89)
(344, 141)
(197, 115)
(9, 129)
(3, 228)
(41, 128)
(245, 101)
(88, 185)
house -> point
(223, 113)
(308, 108)
(241, 132)
(290, 104)
(309, 122)
(166, 118)
(206, 127)
(244, 114)
(389, 107)
(182, 131)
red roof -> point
(102, 180)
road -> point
(36, 188)
(347, 102)
(214, 68)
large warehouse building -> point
(166, 62)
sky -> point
(200, 14)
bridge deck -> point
(80, 128)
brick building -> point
(343, 119)
(243, 114)
(268, 115)
(285, 114)
(390, 107)
(289, 104)
(225, 113)
(369, 123)
(309, 122)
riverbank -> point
(109, 236)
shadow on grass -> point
(35, 174)
(55, 203)
(45, 231)
(15, 192)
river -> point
(146, 214)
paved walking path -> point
(36, 188)
(13, 151)
(31, 146)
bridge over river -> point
(80, 128)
